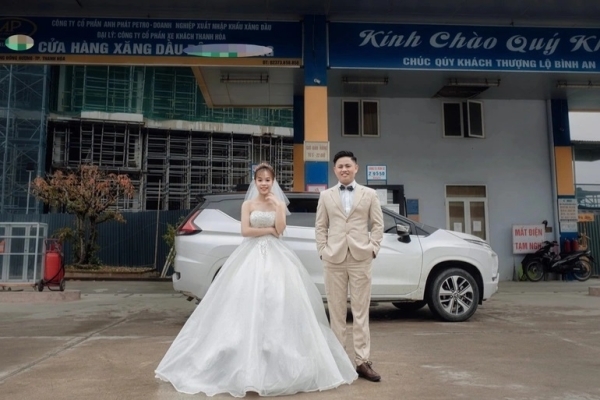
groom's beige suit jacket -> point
(338, 233)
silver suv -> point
(417, 265)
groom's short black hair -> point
(344, 153)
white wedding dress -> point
(261, 327)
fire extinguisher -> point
(54, 269)
(566, 246)
(574, 245)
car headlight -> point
(480, 243)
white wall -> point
(513, 161)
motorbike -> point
(545, 260)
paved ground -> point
(530, 341)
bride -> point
(261, 326)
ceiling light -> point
(262, 78)
(365, 81)
(484, 83)
(588, 85)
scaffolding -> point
(279, 153)
(168, 168)
(115, 148)
(23, 106)
(180, 165)
(284, 163)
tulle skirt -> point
(261, 327)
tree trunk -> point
(80, 239)
(91, 244)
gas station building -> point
(462, 109)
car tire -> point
(409, 306)
(453, 295)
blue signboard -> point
(47, 40)
(463, 48)
(412, 206)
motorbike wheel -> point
(585, 269)
(534, 270)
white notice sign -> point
(567, 209)
(527, 238)
(568, 226)
(376, 173)
(567, 215)
(316, 151)
(382, 194)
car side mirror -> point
(403, 232)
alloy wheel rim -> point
(456, 295)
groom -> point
(343, 242)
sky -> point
(586, 126)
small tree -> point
(169, 235)
(91, 195)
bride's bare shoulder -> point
(248, 205)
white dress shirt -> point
(346, 196)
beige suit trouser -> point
(356, 276)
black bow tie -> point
(350, 188)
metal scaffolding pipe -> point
(6, 135)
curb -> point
(114, 276)
(28, 296)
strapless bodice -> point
(262, 219)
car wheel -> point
(409, 306)
(453, 295)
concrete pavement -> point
(530, 341)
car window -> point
(303, 212)
(391, 220)
(231, 207)
(389, 223)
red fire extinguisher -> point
(574, 245)
(54, 269)
(567, 246)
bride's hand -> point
(272, 199)
(274, 232)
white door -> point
(467, 215)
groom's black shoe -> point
(365, 371)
